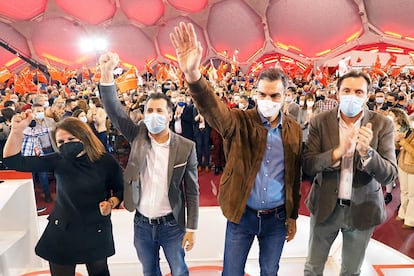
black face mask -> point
(70, 150)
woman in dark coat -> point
(88, 185)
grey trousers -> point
(321, 237)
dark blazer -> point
(367, 204)
(244, 141)
(187, 122)
(183, 190)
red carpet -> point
(389, 233)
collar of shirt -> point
(266, 122)
(165, 144)
(357, 122)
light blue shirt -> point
(269, 187)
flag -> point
(377, 64)
(19, 86)
(344, 66)
(25, 81)
(322, 75)
(308, 72)
(4, 74)
(96, 74)
(397, 70)
(55, 74)
(161, 72)
(39, 75)
(85, 73)
(221, 71)
(128, 80)
(212, 71)
(149, 68)
(391, 61)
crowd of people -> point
(263, 136)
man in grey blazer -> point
(350, 151)
(161, 179)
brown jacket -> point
(244, 145)
(406, 156)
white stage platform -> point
(208, 250)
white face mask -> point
(288, 99)
(268, 108)
(83, 119)
(301, 103)
(46, 104)
(310, 104)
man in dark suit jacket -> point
(161, 181)
(351, 151)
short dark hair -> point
(394, 95)
(162, 96)
(96, 101)
(7, 113)
(273, 74)
(8, 103)
(68, 101)
(354, 74)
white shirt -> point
(154, 200)
(347, 160)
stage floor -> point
(207, 255)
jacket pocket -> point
(180, 165)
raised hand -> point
(21, 121)
(188, 50)
(107, 63)
(364, 139)
(344, 145)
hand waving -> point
(188, 50)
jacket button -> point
(56, 222)
(99, 230)
(336, 191)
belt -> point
(260, 213)
(158, 220)
(344, 202)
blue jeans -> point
(148, 238)
(270, 230)
(44, 181)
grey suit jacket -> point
(183, 190)
(367, 204)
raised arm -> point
(188, 50)
(14, 142)
(113, 107)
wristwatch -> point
(367, 157)
(369, 154)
